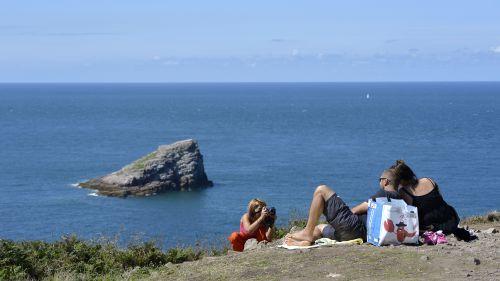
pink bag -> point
(433, 238)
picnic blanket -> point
(323, 242)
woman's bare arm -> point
(251, 227)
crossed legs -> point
(311, 232)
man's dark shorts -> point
(346, 225)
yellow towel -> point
(330, 242)
(323, 242)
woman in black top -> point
(433, 212)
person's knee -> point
(323, 190)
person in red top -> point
(254, 224)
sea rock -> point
(177, 166)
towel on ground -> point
(323, 242)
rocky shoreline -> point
(177, 166)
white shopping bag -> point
(391, 222)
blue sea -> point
(274, 141)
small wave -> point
(93, 194)
(76, 185)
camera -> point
(269, 220)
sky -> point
(249, 41)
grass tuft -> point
(493, 216)
(140, 164)
(281, 231)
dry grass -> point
(493, 216)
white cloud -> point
(496, 49)
(171, 62)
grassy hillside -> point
(75, 259)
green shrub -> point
(178, 255)
(281, 231)
(73, 259)
(85, 260)
(12, 273)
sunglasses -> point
(384, 179)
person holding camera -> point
(257, 222)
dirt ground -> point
(457, 260)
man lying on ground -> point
(343, 223)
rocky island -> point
(177, 166)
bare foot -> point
(290, 241)
(299, 237)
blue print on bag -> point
(373, 222)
